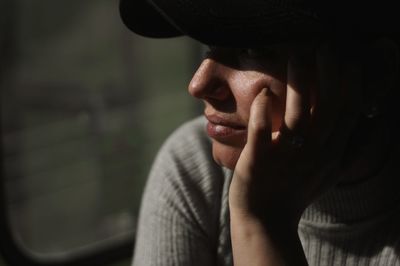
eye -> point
(247, 52)
(263, 53)
(257, 52)
(207, 52)
(226, 56)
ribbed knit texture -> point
(184, 217)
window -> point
(85, 106)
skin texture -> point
(229, 88)
(321, 92)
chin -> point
(225, 155)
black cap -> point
(247, 23)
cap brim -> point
(142, 18)
(249, 23)
(214, 25)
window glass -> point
(85, 106)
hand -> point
(278, 174)
(274, 178)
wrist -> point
(278, 219)
(281, 225)
(259, 242)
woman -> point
(300, 169)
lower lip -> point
(220, 132)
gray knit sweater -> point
(184, 217)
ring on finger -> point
(291, 140)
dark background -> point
(85, 106)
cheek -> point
(278, 104)
(245, 98)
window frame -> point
(13, 255)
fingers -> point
(260, 122)
(296, 122)
(259, 129)
(299, 83)
(340, 138)
(328, 100)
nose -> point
(210, 81)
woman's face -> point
(227, 81)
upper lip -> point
(220, 120)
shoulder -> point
(181, 205)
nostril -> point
(212, 89)
(209, 81)
(219, 92)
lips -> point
(225, 130)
